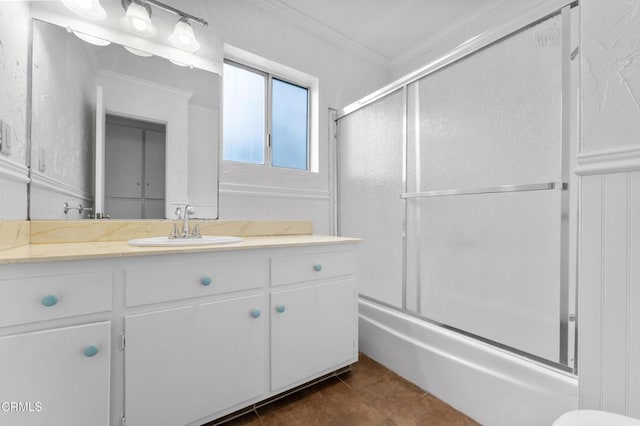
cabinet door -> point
(187, 363)
(56, 377)
(315, 331)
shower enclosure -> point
(459, 181)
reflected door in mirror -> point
(134, 169)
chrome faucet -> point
(186, 231)
(188, 211)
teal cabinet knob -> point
(255, 313)
(280, 308)
(205, 281)
(317, 267)
(49, 300)
(90, 351)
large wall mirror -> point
(159, 121)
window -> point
(266, 118)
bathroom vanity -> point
(108, 334)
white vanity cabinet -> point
(54, 352)
(188, 362)
(172, 339)
(219, 332)
(313, 315)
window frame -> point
(272, 70)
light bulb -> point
(137, 20)
(183, 37)
(84, 4)
(139, 24)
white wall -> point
(14, 48)
(249, 193)
(609, 163)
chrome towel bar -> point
(490, 190)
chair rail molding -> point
(615, 160)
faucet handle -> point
(174, 232)
(196, 231)
(178, 212)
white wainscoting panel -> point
(13, 190)
(259, 202)
(609, 306)
(49, 195)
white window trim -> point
(292, 75)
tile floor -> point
(368, 395)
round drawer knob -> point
(317, 267)
(280, 308)
(255, 313)
(49, 300)
(90, 351)
(205, 281)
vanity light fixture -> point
(90, 9)
(183, 37)
(137, 20)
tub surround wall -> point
(609, 165)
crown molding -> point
(336, 38)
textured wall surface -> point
(611, 74)
(64, 104)
(14, 46)
(609, 162)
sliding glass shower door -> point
(477, 153)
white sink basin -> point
(181, 242)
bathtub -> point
(490, 385)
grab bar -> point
(490, 190)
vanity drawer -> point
(312, 266)
(44, 298)
(186, 280)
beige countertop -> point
(109, 249)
